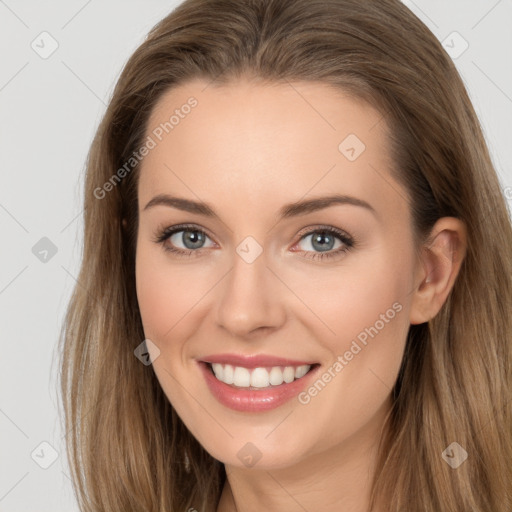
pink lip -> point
(256, 361)
(247, 400)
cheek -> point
(165, 291)
(374, 289)
(363, 310)
(157, 302)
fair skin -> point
(246, 150)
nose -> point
(251, 299)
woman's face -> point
(265, 269)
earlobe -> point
(441, 260)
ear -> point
(439, 264)
(124, 223)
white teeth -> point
(218, 370)
(242, 377)
(228, 376)
(300, 371)
(289, 374)
(258, 377)
(276, 376)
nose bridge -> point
(250, 297)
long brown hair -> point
(128, 449)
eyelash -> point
(163, 235)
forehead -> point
(267, 142)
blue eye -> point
(191, 237)
(323, 240)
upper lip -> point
(254, 361)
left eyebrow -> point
(319, 203)
(287, 211)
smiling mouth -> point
(260, 377)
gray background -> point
(49, 110)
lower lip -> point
(246, 400)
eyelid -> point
(167, 232)
(325, 227)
